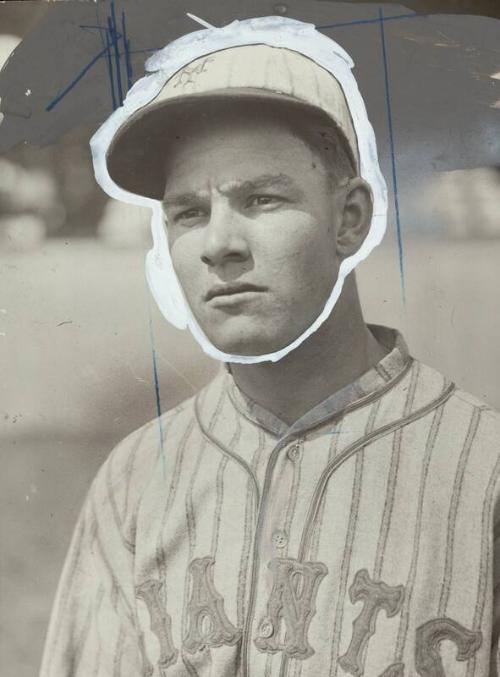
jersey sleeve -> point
(93, 630)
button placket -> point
(268, 543)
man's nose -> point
(224, 240)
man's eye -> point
(189, 214)
(264, 200)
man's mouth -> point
(232, 289)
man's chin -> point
(249, 336)
(244, 347)
(247, 344)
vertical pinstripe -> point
(130, 464)
(220, 489)
(114, 508)
(297, 668)
(71, 564)
(218, 504)
(250, 516)
(82, 640)
(452, 515)
(113, 594)
(117, 663)
(100, 597)
(191, 531)
(174, 482)
(128, 470)
(346, 559)
(332, 452)
(393, 476)
(486, 544)
(190, 509)
(97, 661)
(112, 577)
(292, 501)
(410, 583)
(147, 667)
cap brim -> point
(137, 154)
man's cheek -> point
(185, 267)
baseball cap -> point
(257, 73)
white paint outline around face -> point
(276, 32)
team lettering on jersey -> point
(151, 593)
(291, 607)
(208, 625)
(292, 602)
(376, 596)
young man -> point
(330, 512)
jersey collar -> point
(370, 385)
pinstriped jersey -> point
(218, 542)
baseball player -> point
(329, 509)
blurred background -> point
(78, 328)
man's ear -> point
(356, 217)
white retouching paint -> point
(276, 32)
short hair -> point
(329, 143)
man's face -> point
(251, 224)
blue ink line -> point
(128, 63)
(104, 38)
(156, 381)
(83, 72)
(99, 28)
(114, 38)
(110, 70)
(109, 38)
(102, 29)
(359, 22)
(393, 157)
(141, 51)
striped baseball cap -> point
(257, 73)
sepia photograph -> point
(250, 329)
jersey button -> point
(294, 452)
(266, 628)
(280, 539)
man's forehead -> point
(175, 194)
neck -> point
(340, 351)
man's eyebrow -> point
(183, 199)
(264, 181)
(258, 183)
